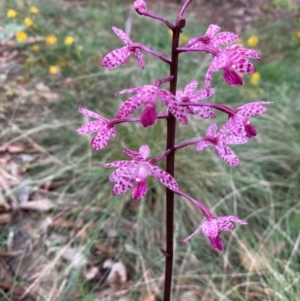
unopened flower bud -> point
(140, 5)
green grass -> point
(260, 261)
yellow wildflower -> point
(80, 48)
(11, 13)
(28, 22)
(254, 79)
(253, 41)
(50, 40)
(30, 60)
(36, 48)
(21, 36)
(183, 38)
(296, 36)
(54, 69)
(69, 40)
(34, 10)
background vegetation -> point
(60, 223)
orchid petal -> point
(216, 243)
(165, 96)
(188, 91)
(131, 90)
(144, 151)
(232, 78)
(223, 131)
(91, 127)
(91, 114)
(228, 156)
(123, 185)
(252, 54)
(124, 172)
(253, 109)
(224, 222)
(179, 95)
(203, 145)
(203, 112)
(113, 132)
(202, 94)
(210, 228)
(242, 65)
(163, 177)
(191, 41)
(116, 58)
(140, 190)
(225, 37)
(235, 140)
(178, 112)
(184, 240)
(250, 130)
(211, 130)
(149, 116)
(122, 35)
(236, 125)
(130, 106)
(208, 77)
(140, 58)
(133, 154)
(212, 30)
(121, 163)
(219, 62)
(101, 140)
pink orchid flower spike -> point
(120, 56)
(212, 228)
(187, 96)
(219, 141)
(212, 38)
(239, 124)
(135, 172)
(148, 95)
(232, 61)
(101, 125)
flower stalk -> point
(170, 163)
(150, 51)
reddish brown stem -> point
(171, 130)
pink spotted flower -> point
(148, 95)
(232, 60)
(219, 141)
(212, 228)
(120, 56)
(187, 96)
(212, 38)
(238, 122)
(101, 125)
(134, 174)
